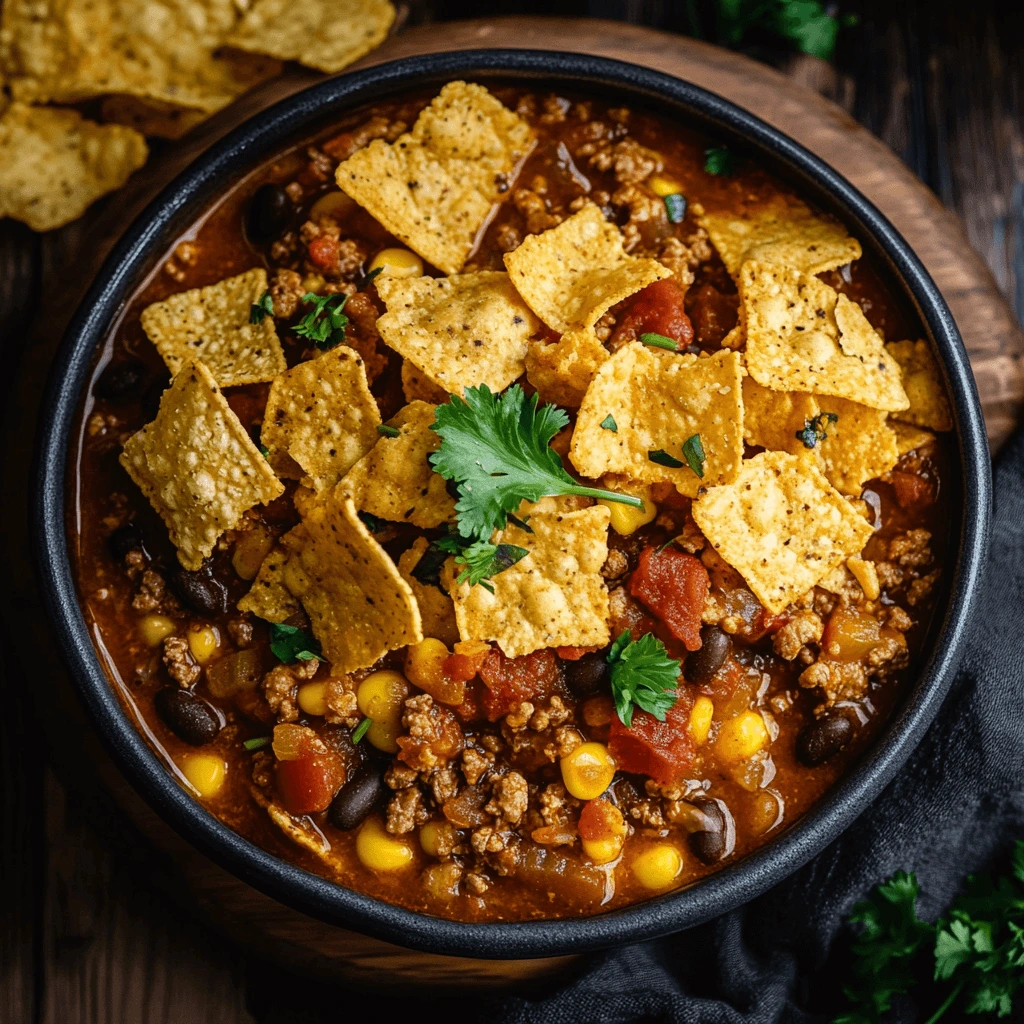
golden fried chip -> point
(858, 446)
(437, 612)
(324, 34)
(434, 187)
(561, 371)
(909, 437)
(322, 414)
(163, 50)
(554, 597)
(781, 525)
(803, 336)
(653, 401)
(772, 419)
(928, 405)
(395, 480)
(570, 275)
(417, 386)
(197, 465)
(54, 163)
(162, 120)
(269, 597)
(461, 331)
(358, 604)
(782, 231)
(212, 325)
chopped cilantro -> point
(675, 207)
(428, 569)
(361, 730)
(385, 431)
(368, 278)
(609, 424)
(814, 429)
(523, 524)
(257, 743)
(260, 308)
(719, 160)
(289, 643)
(372, 523)
(325, 325)
(693, 452)
(481, 559)
(497, 450)
(662, 458)
(642, 675)
(659, 341)
(256, 434)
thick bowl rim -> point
(736, 884)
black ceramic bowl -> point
(135, 256)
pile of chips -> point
(146, 68)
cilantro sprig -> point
(496, 448)
(481, 559)
(262, 307)
(325, 324)
(289, 643)
(719, 160)
(814, 429)
(642, 675)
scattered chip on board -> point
(570, 275)
(859, 445)
(434, 187)
(659, 400)
(152, 118)
(773, 419)
(554, 597)
(928, 405)
(197, 465)
(461, 331)
(212, 324)
(562, 370)
(781, 525)
(437, 613)
(321, 413)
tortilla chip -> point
(554, 597)
(395, 480)
(437, 613)
(417, 386)
(772, 419)
(55, 163)
(781, 525)
(461, 331)
(658, 400)
(909, 438)
(197, 465)
(928, 405)
(161, 120)
(434, 187)
(212, 324)
(784, 232)
(859, 446)
(269, 597)
(164, 50)
(322, 414)
(562, 371)
(358, 605)
(572, 274)
(803, 336)
(324, 34)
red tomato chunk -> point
(323, 251)
(657, 309)
(663, 751)
(308, 784)
(673, 585)
(911, 489)
(510, 681)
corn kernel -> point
(384, 735)
(205, 773)
(662, 186)
(424, 663)
(203, 641)
(602, 851)
(658, 866)
(312, 698)
(397, 263)
(335, 204)
(379, 851)
(588, 771)
(700, 720)
(626, 519)
(741, 737)
(380, 696)
(251, 548)
(436, 836)
(606, 845)
(155, 628)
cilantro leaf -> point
(814, 429)
(642, 675)
(257, 743)
(373, 523)
(369, 278)
(497, 450)
(675, 207)
(662, 458)
(659, 341)
(608, 423)
(385, 431)
(325, 325)
(719, 160)
(260, 308)
(361, 730)
(289, 643)
(481, 559)
(693, 452)
(428, 569)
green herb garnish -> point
(289, 644)
(325, 325)
(428, 569)
(662, 458)
(263, 306)
(675, 207)
(814, 429)
(693, 452)
(257, 743)
(481, 559)
(719, 160)
(371, 522)
(368, 278)
(642, 675)
(609, 424)
(497, 450)
(361, 730)
(385, 431)
(659, 341)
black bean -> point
(703, 663)
(269, 213)
(124, 539)
(201, 591)
(708, 846)
(189, 717)
(586, 675)
(822, 739)
(121, 381)
(356, 799)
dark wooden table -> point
(86, 937)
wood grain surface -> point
(92, 926)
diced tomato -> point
(253, 704)
(464, 664)
(911, 489)
(510, 681)
(600, 820)
(307, 785)
(574, 653)
(663, 751)
(772, 623)
(656, 309)
(722, 685)
(323, 251)
(849, 635)
(673, 585)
